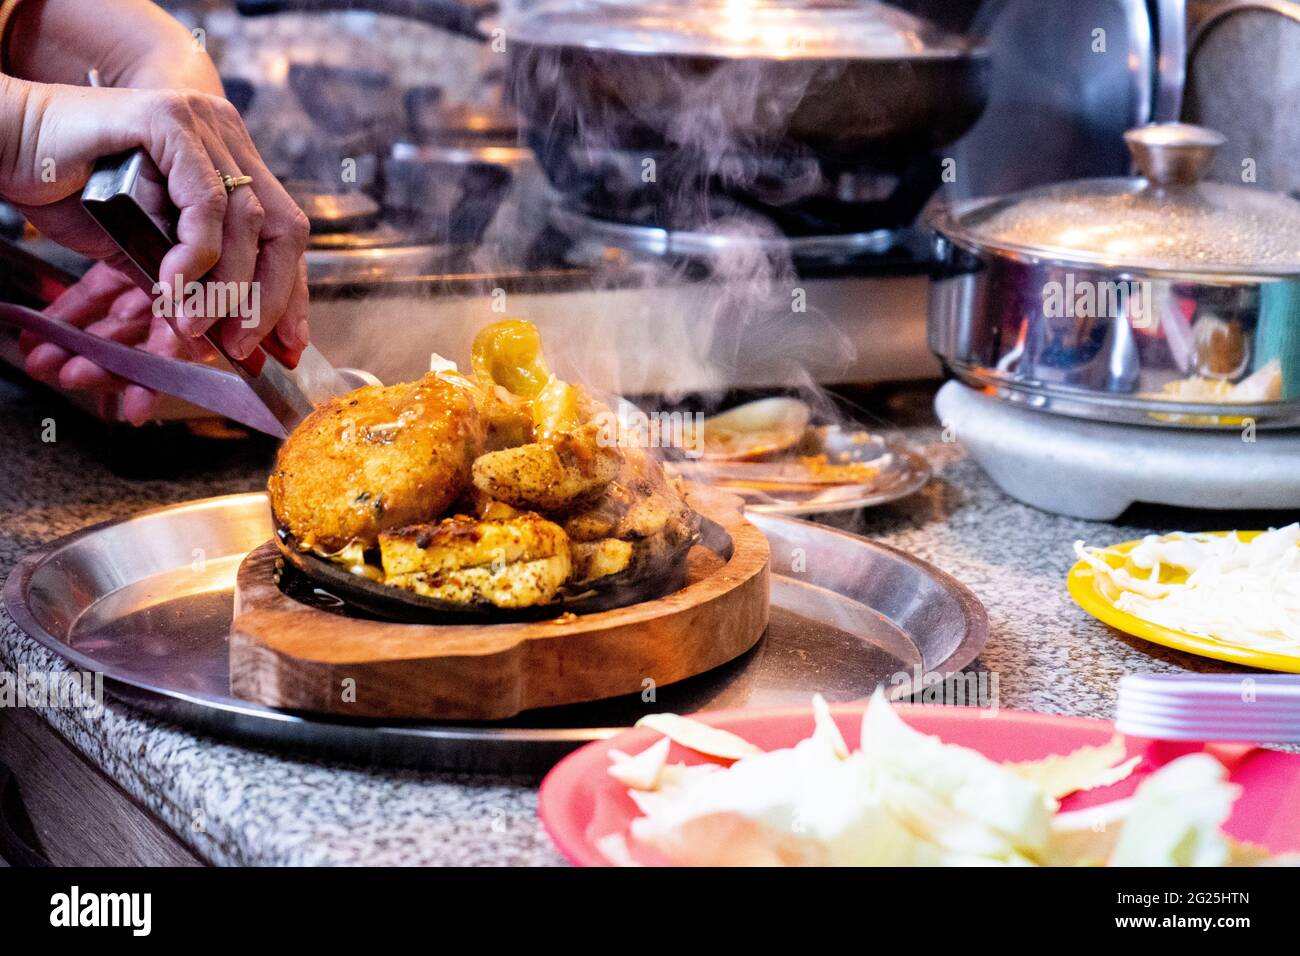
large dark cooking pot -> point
(842, 78)
(766, 102)
(820, 115)
(460, 17)
(839, 76)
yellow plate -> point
(1083, 588)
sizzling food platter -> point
(472, 545)
(498, 493)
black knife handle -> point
(127, 196)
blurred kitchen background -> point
(432, 213)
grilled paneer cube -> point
(511, 562)
(517, 585)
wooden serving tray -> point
(287, 654)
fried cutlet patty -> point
(374, 459)
(510, 562)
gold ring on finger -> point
(231, 183)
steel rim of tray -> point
(255, 721)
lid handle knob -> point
(1173, 154)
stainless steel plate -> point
(783, 487)
(147, 600)
(905, 474)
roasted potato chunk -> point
(600, 518)
(638, 527)
(636, 504)
(511, 562)
(647, 557)
(549, 475)
(374, 459)
(599, 559)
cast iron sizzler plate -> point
(397, 604)
(148, 601)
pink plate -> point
(580, 803)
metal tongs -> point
(222, 392)
(126, 196)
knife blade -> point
(216, 390)
(202, 385)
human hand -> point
(254, 237)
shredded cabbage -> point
(1245, 593)
(908, 799)
(1176, 816)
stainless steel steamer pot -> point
(1158, 300)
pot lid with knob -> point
(1167, 220)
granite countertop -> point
(234, 805)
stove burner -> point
(350, 244)
(886, 248)
(369, 258)
(331, 212)
(682, 189)
(373, 253)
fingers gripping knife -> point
(127, 196)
